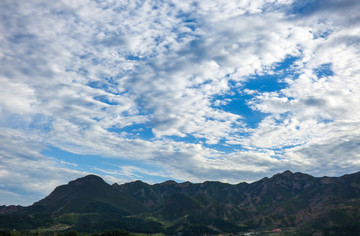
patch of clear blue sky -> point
(324, 70)
(186, 139)
(106, 83)
(94, 164)
(135, 131)
(303, 7)
(267, 82)
(238, 105)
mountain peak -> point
(286, 173)
(168, 182)
(87, 179)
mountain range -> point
(297, 202)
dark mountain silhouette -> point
(88, 194)
(288, 200)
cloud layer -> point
(167, 84)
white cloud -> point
(86, 76)
(16, 97)
(173, 86)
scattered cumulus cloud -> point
(166, 84)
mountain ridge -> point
(286, 199)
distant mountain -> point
(88, 194)
(291, 201)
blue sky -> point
(230, 91)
